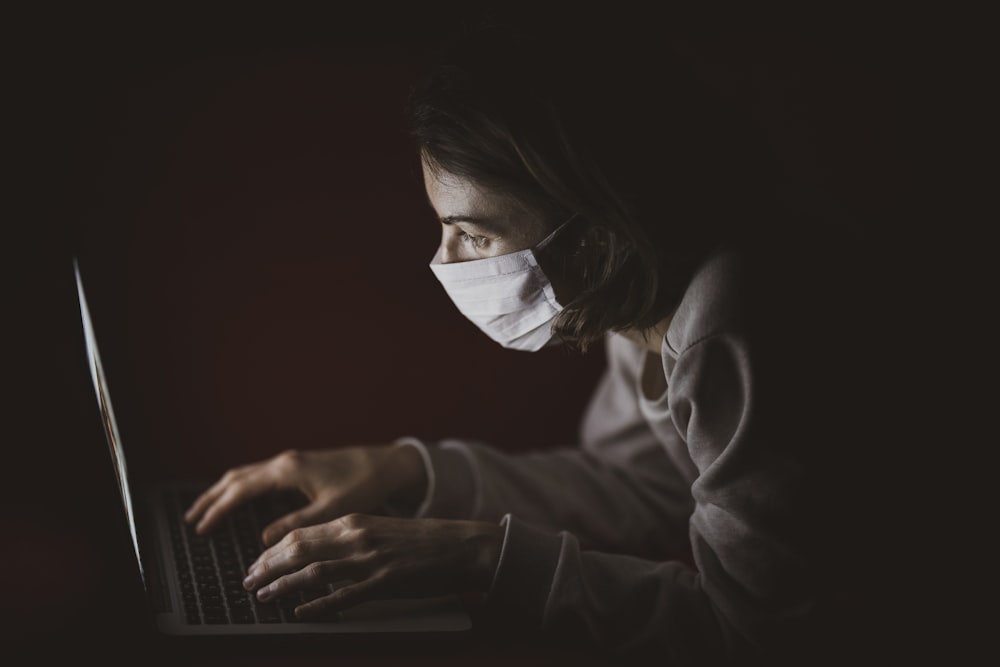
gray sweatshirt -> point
(684, 525)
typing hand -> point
(335, 482)
(381, 558)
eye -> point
(478, 242)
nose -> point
(445, 256)
(448, 250)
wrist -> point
(410, 473)
(487, 543)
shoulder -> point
(716, 300)
(776, 296)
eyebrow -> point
(485, 223)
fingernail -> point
(248, 582)
(264, 593)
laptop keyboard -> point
(211, 568)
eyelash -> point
(475, 241)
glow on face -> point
(477, 223)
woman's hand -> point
(335, 482)
(376, 557)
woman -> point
(602, 196)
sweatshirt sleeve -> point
(751, 590)
(618, 491)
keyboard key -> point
(211, 568)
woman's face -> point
(477, 223)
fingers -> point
(345, 596)
(234, 488)
(302, 547)
(308, 558)
(315, 575)
(380, 557)
(336, 481)
(352, 576)
(312, 513)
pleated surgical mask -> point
(508, 297)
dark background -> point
(251, 225)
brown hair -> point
(657, 170)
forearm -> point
(546, 583)
(664, 610)
(604, 504)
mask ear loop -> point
(555, 232)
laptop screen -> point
(108, 417)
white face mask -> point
(509, 297)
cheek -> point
(453, 248)
(522, 235)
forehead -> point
(452, 195)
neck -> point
(651, 339)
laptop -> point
(193, 583)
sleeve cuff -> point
(523, 579)
(428, 469)
(450, 462)
(452, 488)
